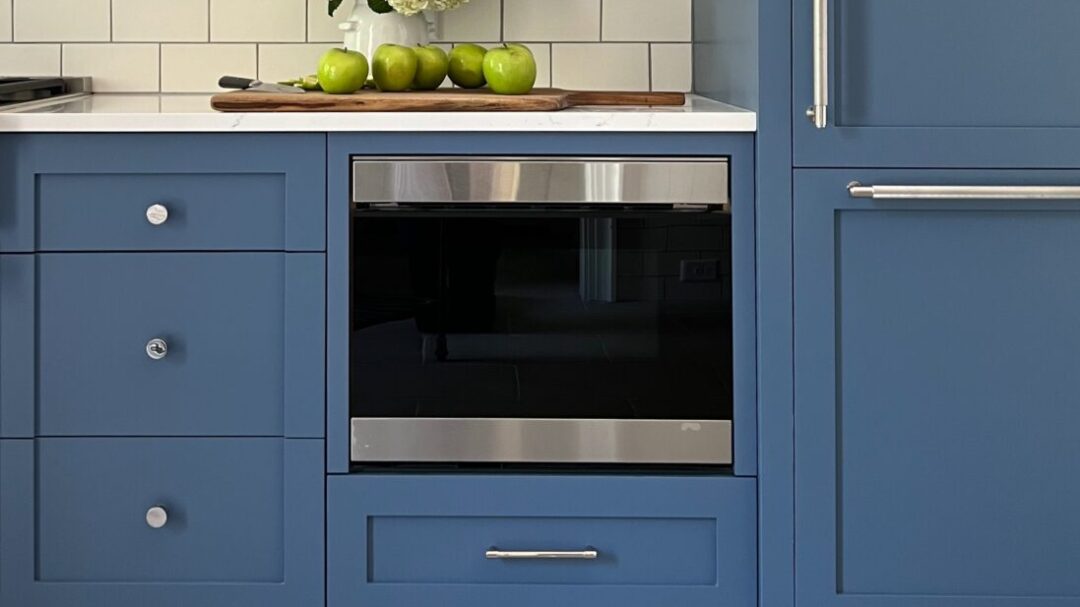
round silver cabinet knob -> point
(157, 348)
(157, 214)
(156, 517)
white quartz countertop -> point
(192, 113)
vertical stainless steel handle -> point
(819, 112)
(586, 555)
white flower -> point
(412, 7)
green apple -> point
(342, 72)
(467, 66)
(434, 64)
(510, 70)
(394, 67)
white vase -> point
(366, 30)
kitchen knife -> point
(247, 84)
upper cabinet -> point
(937, 83)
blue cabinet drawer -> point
(139, 521)
(222, 192)
(240, 348)
(161, 212)
(410, 540)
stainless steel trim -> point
(819, 112)
(541, 181)
(580, 555)
(545, 441)
(963, 192)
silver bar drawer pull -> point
(963, 192)
(819, 112)
(580, 555)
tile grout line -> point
(649, 49)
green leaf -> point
(380, 6)
(334, 4)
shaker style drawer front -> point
(161, 212)
(161, 521)
(177, 344)
(535, 540)
(163, 192)
(895, 80)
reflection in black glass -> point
(562, 317)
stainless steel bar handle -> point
(819, 112)
(580, 555)
(964, 192)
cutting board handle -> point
(579, 98)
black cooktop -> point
(19, 90)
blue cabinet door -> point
(937, 83)
(243, 335)
(936, 354)
(130, 522)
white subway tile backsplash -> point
(287, 61)
(196, 68)
(321, 27)
(477, 20)
(127, 68)
(672, 67)
(61, 20)
(265, 21)
(162, 21)
(647, 21)
(30, 59)
(5, 20)
(551, 20)
(185, 45)
(614, 66)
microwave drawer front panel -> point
(162, 212)
(180, 344)
(479, 540)
(161, 521)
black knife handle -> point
(235, 82)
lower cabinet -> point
(161, 521)
(480, 541)
(937, 350)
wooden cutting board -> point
(444, 100)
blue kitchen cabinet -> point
(130, 522)
(936, 355)
(940, 83)
(243, 339)
(424, 540)
(94, 192)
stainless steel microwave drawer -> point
(482, 540)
